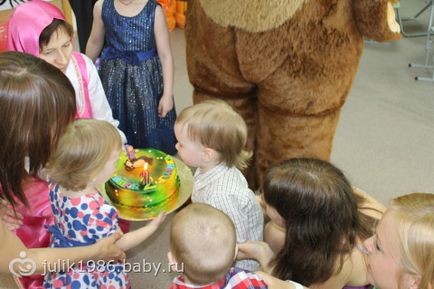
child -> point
(84, 159)
(401, 253)
(211, 137)
(203, 240)
(39, 28)
(139, 87)
(324, 224)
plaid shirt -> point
(226, 189)
(235, 279)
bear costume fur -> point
(285, 65)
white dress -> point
(99, 104)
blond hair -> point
(415, 215)
(203, 239)
(217, 126)
(82, 152)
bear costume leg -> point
(290, 102)
(281, 136)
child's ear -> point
(172, 261)
(170, 257)
(414, 281)
(236, 252)
(210, 155)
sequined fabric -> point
(134, 90)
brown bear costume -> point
(285, 65)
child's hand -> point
(257, 250)
(13, 220)
(250, 249)
(165, 105)
(107, 249)
(134, 238)
(155, 223)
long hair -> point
(37, 101)
(216, 125)
(322, 218)
(415, 215)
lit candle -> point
(145, 167)
(145, 174)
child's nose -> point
(62, 59)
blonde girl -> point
(84, 159)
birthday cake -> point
(144, 178)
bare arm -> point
(12, 219)
(336, 281)
(134, 238)
(162, 40)
(274, 236)
(350, 274)
(96, 38)
(11, 247)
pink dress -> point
(33, 233)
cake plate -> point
(168, 206)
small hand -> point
(108, 250)
(165, 105)
(250, 250)
(257, 250)
(157, 221)
(13, 220)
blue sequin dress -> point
(132, 77)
